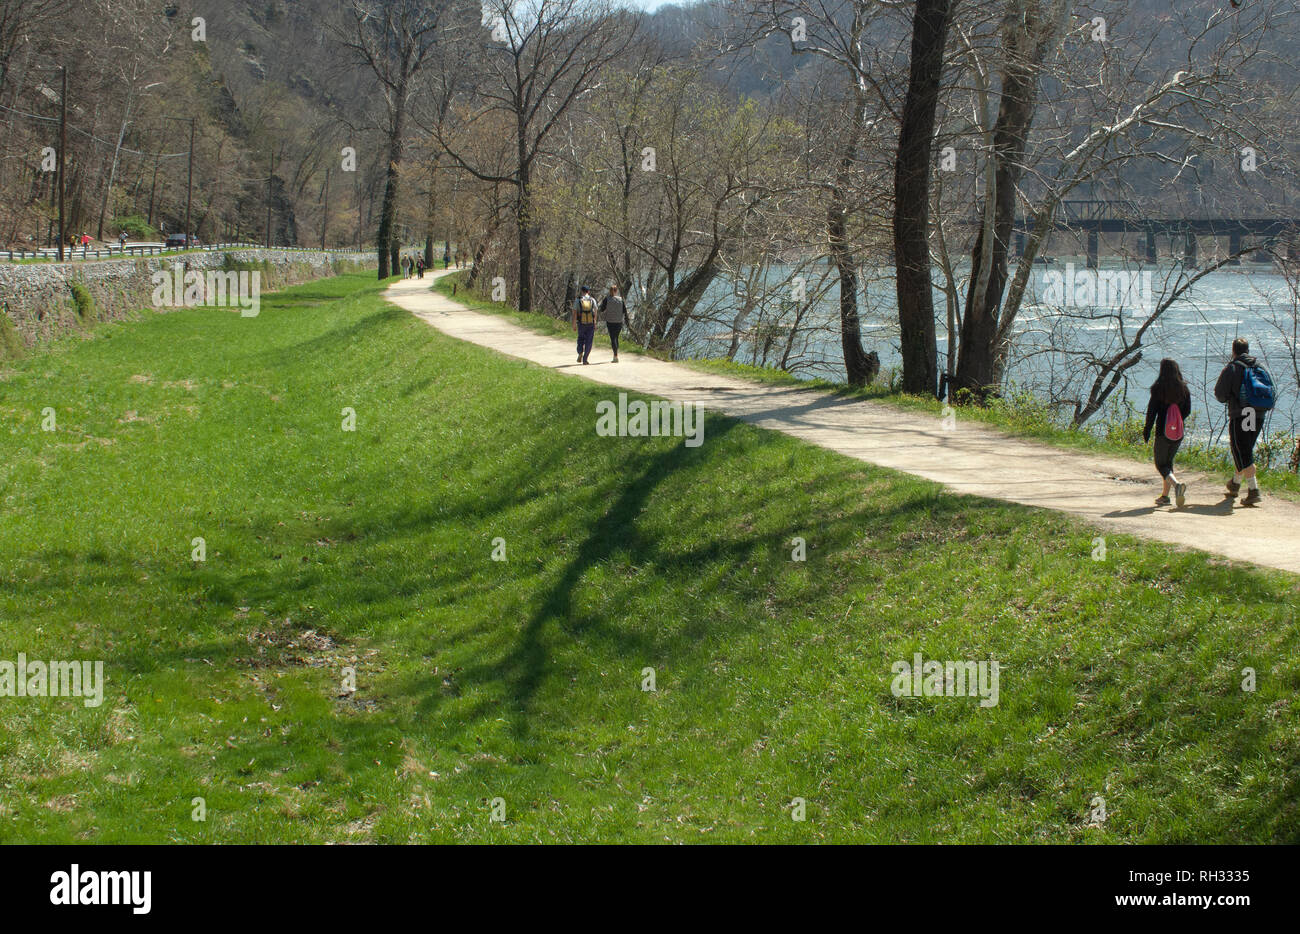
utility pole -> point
(63, 148)
(325, 218)
(269, 176)
(189, 187)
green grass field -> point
(522, 679)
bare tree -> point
(1030, 29)
(541, 57)
(840, 31)
(394, 39)
(1113, 110)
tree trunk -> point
(523, 224)
(112, 172)
(977, 360)
(570, 295)
(912, 198)
(386, 243)
(860, 368)
(476, 263)
(431, 215)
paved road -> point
(1111, 493)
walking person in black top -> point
(1168, 410)
(613, 311)
(1244, 421)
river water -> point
(1253, 301)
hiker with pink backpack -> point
(1167, 412)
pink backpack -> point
(1174, 423)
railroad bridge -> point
(1103, 217)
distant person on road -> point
(1247, 389)
(584, 322)
(1167, 412)
(612, 312)
(121, 241)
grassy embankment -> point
(522, 679)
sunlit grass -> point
(522, 679)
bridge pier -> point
(1189, 249)
(1094, 239)
(1234, 245)
(1151, 246)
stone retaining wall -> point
(39, 301)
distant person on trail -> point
(446, 258)
(1167, 412)
(419, 267)
(584, 322)
(1247, 389)
(612, 312)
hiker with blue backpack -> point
(1167, 413)
(1247, 389)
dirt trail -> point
(1111, 493)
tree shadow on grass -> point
(523, 668)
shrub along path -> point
(1112, 493)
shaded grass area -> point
(522, 679)
(1118, 434)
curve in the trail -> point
(1111, 493)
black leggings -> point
(1164, 454)
(614, 329)
(1242, 442)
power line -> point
(94, 138)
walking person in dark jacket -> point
(613, 312)
(1244, 421)
(1168, 410)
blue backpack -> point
(1256, 390)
